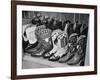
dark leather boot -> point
(38, 53)
(66, 57)
(32, 49)
(69, 54)
(76, 59)
(31, 46)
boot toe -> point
(74, 61)
(54, 58)
(47, 55)
(62, 60)
(38, 53)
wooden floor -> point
(37, 62)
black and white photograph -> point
(54, 39)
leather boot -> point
(38, 53)
(76, 59)
(32, 49)
(69, 54)
(66, 57)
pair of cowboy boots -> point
(43, 42)
(78, 55)
(71, 48)
(54, 35)
(59, 46)
(29, 37)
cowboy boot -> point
(32, 48)
(76, 59)
(69, 54)
(42, 36)
(54, 45)
(45, 47)
(48, 47)
(38, 53)
(66, 57)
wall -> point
(5, 42)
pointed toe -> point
(54, 58)
(38, 53)
(46, 55)
(75, 60)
